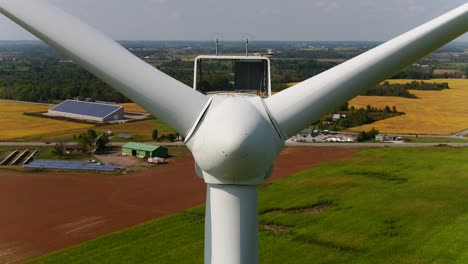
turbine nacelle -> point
(236, 141)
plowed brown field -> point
(43, 212)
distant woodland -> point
(33, 72)
(49, 80)
(401, 90)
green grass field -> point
(141, 131)
(49, 153)
(383, 205)
(454, 66)
(413, 139)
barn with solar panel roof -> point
(88, 111)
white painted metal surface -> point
(304, 103)
(236, 142)
(231, 224)
(170, 100)
(234, 138)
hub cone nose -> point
(235, 141)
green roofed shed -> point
(144, 150)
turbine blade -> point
(166, 98)
(304, 103)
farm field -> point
(133, 107)
(140, 131)
(15, 125)
(450, 71)
(385, 205)
(81, 206)
(435, 112)
(18, 127)
(414, 139)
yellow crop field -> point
(132, 107)
(15, 125)
(291, 84)
(435, 112)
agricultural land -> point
(19, 127)
(15, 125)
(332, 204)
(434, 112)
(386, 205)
(84, 205)
(132, 107)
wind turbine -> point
(232, 166)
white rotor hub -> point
(236, 141)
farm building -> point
(144, 150)
(337, 117)
(88, 111)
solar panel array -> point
(124, 136)
(69, 165)
(85, 108)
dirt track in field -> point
(47, 211)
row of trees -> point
(367, 135)
(86, 141)
(295, 70)
(422, 85)
(169, 137)
(91, 139)
(49, 80)
(401, 90)
(353, 117)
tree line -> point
(401, 90)
(37, 73)
(353, 117)
(49, 80)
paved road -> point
(289, 143)
(460, 134)
(44, 144)
(372, 145)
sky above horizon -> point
(314, 20)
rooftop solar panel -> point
(85, 108)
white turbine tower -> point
(232, 166)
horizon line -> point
(230, 41)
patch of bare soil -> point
(313, 209)
(116, 158)
(13, 253)
(46, 211)
(316, 209)
(276, 229)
